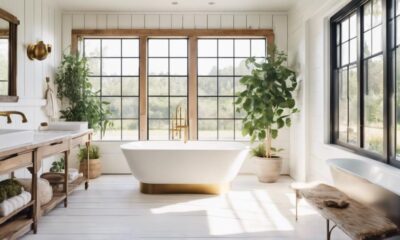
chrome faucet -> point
(179, 123)
(8, 114)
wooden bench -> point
(357, 220)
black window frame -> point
(389, 91)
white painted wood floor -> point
(114, 209)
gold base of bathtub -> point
(215, 189)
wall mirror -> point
(8, 57)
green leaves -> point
(267, 99)
(74, 86)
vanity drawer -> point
(79, 140)
(15, 162)
(55, 148)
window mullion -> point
(143, 124)
(192, 88)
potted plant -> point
(75, 90)
(268, 103)
(94, 161)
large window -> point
(114, 74)
(221, 64)
(167, 84)
(365, 103)
(144, 75)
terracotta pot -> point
(94, 168)
(268, 170)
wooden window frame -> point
(193, 35)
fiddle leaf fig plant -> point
(267, 100)
(83, 104)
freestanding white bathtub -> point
(176, 167)
(370, 182)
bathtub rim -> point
(384, 168)
(244, 146)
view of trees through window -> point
(221, 64)
(114, 74)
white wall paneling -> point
(39, 20)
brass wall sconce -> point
(38, 51)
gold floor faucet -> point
(8, 114)
(179, 123)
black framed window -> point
(3, 66)
(167, 80)
(221, 64)
(114, 74)
(364, 79)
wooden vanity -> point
(30, 156)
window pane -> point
(353, 50)
(158, 107)
(367, 16)
(225, 66)
(175, 102)
(343, 105)
(178, 66)
(130, 86)
(207, 86)
(114, 106)
(130, 129)
(238, 86)
(242, 48)
(226, 129)
(113, 132)
(158, 86)
(367, 44)
(94, 66)
(158, 66)
(92, 48)
(111, 66)
(353, 106)
(207, 107)
(130, 48)
(345, 53)
(95, 81)
(353, 26)
(240, 67)
(158, 129)
(373, 108)
(158, 47)
(225, 107)
(345, 30)
(397, 103)
(207, 66)
(376, 12)
(225, 86)
(111, 48)
(178, 47)
(130, 107)
(207, 130)
(225, 48)
(238, 131)
(397, 31)
(178, 86)
(258, 48)
(377, 40)
(111, 86)
(130, 66)
(207, 47)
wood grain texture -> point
(192, 108)
(143, 88)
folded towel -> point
(73, 174)
(12, 204)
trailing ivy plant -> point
(73, 85)
(267, 100)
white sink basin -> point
(11, 137)
(68, 126)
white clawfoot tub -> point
(176, 167)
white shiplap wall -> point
(113, 160)
(39, 20)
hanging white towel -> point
(51, 107)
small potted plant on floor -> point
(268, 103)
(94, 161)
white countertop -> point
(41, 138)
